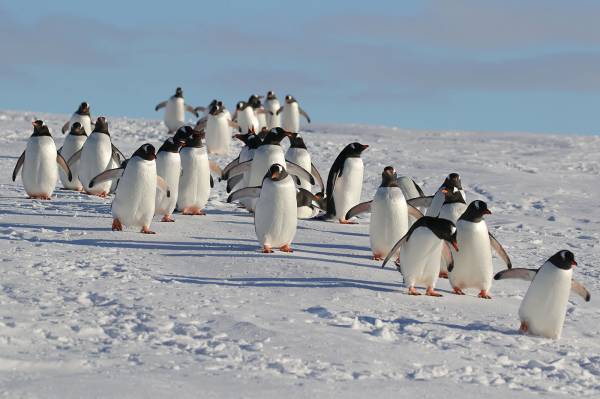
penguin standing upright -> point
(451, 184)
(298, 154)
(344, 182)
(425, 240)
(291, 110)
(245, 117)
(73, 143)
(81, 116)
(543, 309)
(39, 163)
(473, 266)
(389, 214)
(218, 129)
(272, 106)
(97, 155)
(168, 167)
(175, 110)
(259, 111)
(196, 181)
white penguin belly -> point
(40, 170)
(262, 121)
(264, 157)
(348, 187)
(168, 166)
(415, 258)
(218, 134)
(275, 218)
(71, 145)
(301, 157)
(291, 118)
(452, 211)
(247, 120)
(134, 200)
(175, 113)
(473, 266)
(96, 157)
(545, 303)
(194, 183)
(273, 120)
(389, 219)
(84, 121)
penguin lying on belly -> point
(276, 215)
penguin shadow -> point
(283, 282)
(476, 326)
(54, 229)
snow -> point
(197, 311)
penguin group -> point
(428, 237)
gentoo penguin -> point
(275, 217)
(426, 240)
(298, 154)
(168, 167)
(291, 110)
(175, 111)
(544, 306)
(245, 117)
(251, 142)
(473, 264)
(389, 214)
(261, 114)
(38, 161)
(73, 143)
(272, 106)
(97, 155)
(134, 200)
(81, 116)
(196, 181)
(344, 182)
(218, 129)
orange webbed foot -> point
(524, 328)
(431, 292)
(286, 248)
(167, 218)
(484, 295)
(146, 230)
(267, 250)
(443, 275)
(344, 221)
(116, 225)
(413, 291)
(458, 291)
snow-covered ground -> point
(196, 311)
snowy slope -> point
(196, 311)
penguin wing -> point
(109, 174)
(74, 158)
(304, 114)
(516, 273)
(395, 248)
(419, 189)
(18, 166)
(238, 169)
(161, 184)
(118, 152)
(580, 290)
(447, 256)
(247, 192)
(65, 127)
(299, 171)
(63, 164)
(201, 109)
(232, 182)
(279, 111)
(424, 202)
(500, 250)
(228, 167)
(317, 176)
(215, 168)
(201, 124)
(212, 181)
(160, 105)
(363, 207)
(414, 212)
(306, 198)
(233, 124)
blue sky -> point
(496, 65)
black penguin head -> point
(453, 180)
(77, 130)
(442, 228)
(354, 150)
(453, 195)
(389, 177)
(277, 172)
(254, 101)
(146, 152)
(296, 142)
(215, 107)
(275, 135)
(563, 260)
(178, 92)
(241, 105)
(101, 125)
(271, 95)
(195, 140)
(39, 129)
(290, 99)
(182, 134)
(475, 211)
(84, 109)
(172, 144)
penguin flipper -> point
(317, 176)
(363, 207)
(580, 290)
(212, 181)
(215, 168)
(227, 168)
(395, 248)
(162, 185)
(279, 111)
(65, 127)
(238, 169)
(74, 158)
(115, 150)
(63, 164)
(247, 192)
(201, 109)
(160, 105)
(500, 250)
(232, 124)
(304, 114)
(231, 183)
(299, 171)
(109, 174)
(516, 273)
(419, 189)
(424, 202)
(414, 212)
(306, 198)
(447, 256)
(18, 166)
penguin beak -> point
(365, 146)
(487, 212)
(274, 175)
(573, 263)
(455, 245)
(445, 190)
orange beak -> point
(455, 245)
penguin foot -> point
(286, 248)
(483, 294)
(431, 292)
(146, 230)
(167, 218)
(458, 291)
(39, 197)
(194, 211)
(344, 221)
(103, 194)
(116, 225)
(524, 328)
(267, 250)
(413, 291)
(443, 275)
(377, 257)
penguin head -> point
(271, 95)
(101, 125)
(475, 211)
(254, 101)
(563, 260)
(297, 142)
(84, 109)
(389, 177)
(214, 108)
(39, 129)
(178, 92)
(277, 172)
(275, 135)
(182, 134)
(452, 195)
(289, 99)
(146, 152)
(77, 130)
(241, 105)
(453, 180)
(195, 139)
(354, 150)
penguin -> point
(291, 114)
(389, 214)
(175, 110)
(261, 114)
(196, 181)
(73, 143)
(275, 218)
(543, 309)
(245, 117)
(168, 167)
(39, 163)
(134, 200)
(251, 142)
(97, 155)
(473, 266)
(218, 129)
(298, 154)
(81, 116)
(272, 106)
(344, 182)
(427, 239)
